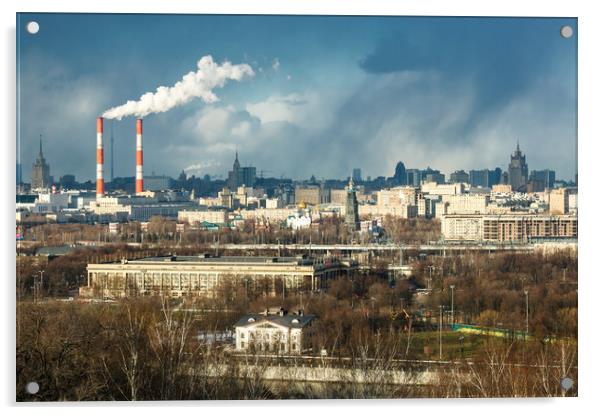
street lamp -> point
(452, 303)
(35, 288)
(430, 277)
(41, 281)
(440, 332)
(527, 311)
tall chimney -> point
(139, 162)
(100, 156)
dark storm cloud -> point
(503, 57)
(449, 93)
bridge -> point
(442, 249)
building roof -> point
(286, 320)
(54, 250)
(224, 259)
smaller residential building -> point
(397, 196)
(280, 333)
(309, 195)
(466, 203)
(200, 216)
(434, 188)
(501, 188)
(402, 210)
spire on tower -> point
(236, 166)
(41, 154)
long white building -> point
(508, 227)
(205, 276)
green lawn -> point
(452, 347)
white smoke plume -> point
(199, 84)
(203, 165)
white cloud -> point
(213, 122)
(276, 64)
(241, 129)
(309, 110)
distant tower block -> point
(139, 157)
(352, 218)
(100, 182)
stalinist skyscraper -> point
(518, 171)
(40, 174)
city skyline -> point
(375, 89)
(448, 177)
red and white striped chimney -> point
(100, 158)
(139, 162)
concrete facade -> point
(203, 276)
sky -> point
(324, 94)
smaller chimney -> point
(100, 182)
(139, 158)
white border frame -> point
(590, 32)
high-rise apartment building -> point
(432, 176)
(459, 176)
(308, 194)
(559, 201)
(485, 177)
(413, 177)
(543, 178)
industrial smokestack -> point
(100, 182)
(139, 158)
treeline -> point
(147, 349)
(139, 350)
(505, 290)
(330, 230)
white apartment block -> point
(269, 215)
(396, 196)
(462, 227)
(200, 216)
(402, 210)
(508, 228)
(433, 188)
(465, 204)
